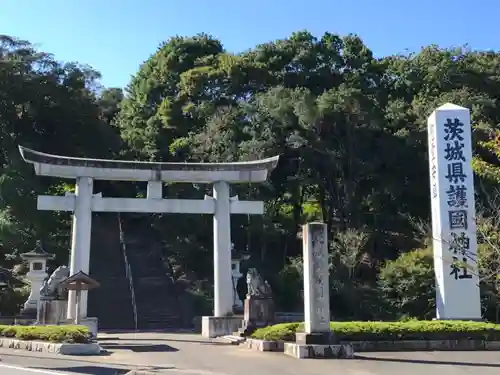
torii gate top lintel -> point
(128, 170)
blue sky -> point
(116, 36)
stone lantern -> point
(37, 261)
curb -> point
(424, 345)
(232, 339)
(339, 351)
(50, 347)
(265, 345)
(390, 346)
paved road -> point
(184, 354)
(15, 370)
(17, 365)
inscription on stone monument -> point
(316, 280)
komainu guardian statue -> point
(259, 305)
(256, 285)
(51, 288)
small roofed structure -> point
(78, 282)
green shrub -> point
(283, 331)
(60, 334)
(407, 285)
(383, 331)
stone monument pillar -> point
(316, 341)
(37, 262)
(316, 286)
(453, 214)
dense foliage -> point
(350, 129)
(390, 331)
(60, 334)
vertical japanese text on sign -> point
(432, 141)
(457, 199)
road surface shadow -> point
(90, 370)
(139, 348)
(116, 339)
(427, 362)
(127, 331)
(81, 358)
(103, 353)
(99, 370)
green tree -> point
(51, 107)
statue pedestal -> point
(52, 311)
(258, 313)
(52, 298)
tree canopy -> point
(350, 129)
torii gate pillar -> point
(223, 282)
(80, 241)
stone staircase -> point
(111, 303)
(158, 307)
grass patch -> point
(391, 331)
(59, 334)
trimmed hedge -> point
(59, 334)
(391, 331)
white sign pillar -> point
(453, 214)
(80, 241)
(223, 293)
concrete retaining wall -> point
(265, 346)
(389, 346)
(280, 317)
(212, 326)
(300, 351)
(50, 347)
(423, 345)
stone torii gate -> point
(83, 202)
